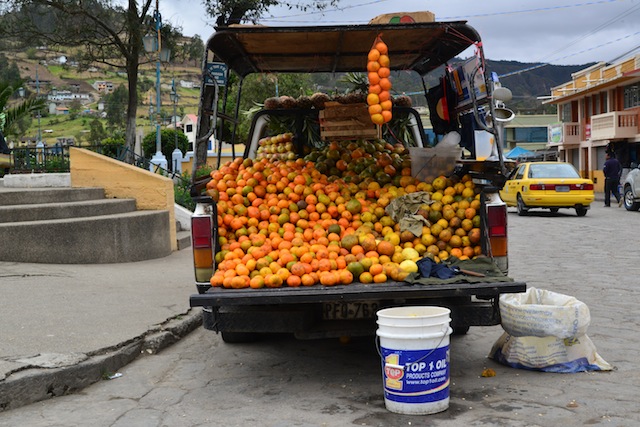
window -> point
(565, 113)
(632, 95)
(189, 128)
(553, 170)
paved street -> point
(201, 381)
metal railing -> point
(56, 160)
(40, 160)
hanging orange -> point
(375, 109)
(382, 47)
(372, 99)
(373, 66)
(375, 89)
(374, 78)
(374, 54)
(377, 119)
(384, 95)
(385, 84)
(383, 71)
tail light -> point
(552, 187)
(202, 242)
(496, 231)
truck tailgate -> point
(217, 297)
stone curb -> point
(36, 382)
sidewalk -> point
(64, 327)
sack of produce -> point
(546, 331)
(542, 313)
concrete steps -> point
(78, 226)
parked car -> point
(631, 189)
(547, 185)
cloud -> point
(557, 31)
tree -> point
(97, 132)
(115, 103)
(168, 139)
(229, 12)
(194, 50)
(9, 72)
(108, 33)
(17, 111)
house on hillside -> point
(598, 111)
(103, 86)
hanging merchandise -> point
(442, 101)
(379, 97)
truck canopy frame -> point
(419, 47)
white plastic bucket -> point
(414, 347)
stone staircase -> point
(64, 225)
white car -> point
(631, 189)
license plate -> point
(562, 188)
(349, 310)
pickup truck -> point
(343, 310)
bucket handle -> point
(377, 344)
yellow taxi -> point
(548, 185)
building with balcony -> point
(598, 110)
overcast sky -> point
(562, 32)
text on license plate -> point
(562, 188)
(349, 310)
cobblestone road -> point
(203, 382)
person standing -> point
(612, 171)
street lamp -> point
(158, 159)
(39, 138)
(176, 156)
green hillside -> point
(526, 87)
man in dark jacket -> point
(612, 171)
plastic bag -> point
(548, 354)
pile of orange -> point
(284, 223)
(379, 97)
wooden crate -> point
(346, 121)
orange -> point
(372, 99)
(383, 60)
(374, 78)
(294, 281)
(382, 47)
(376, 269)
(382, 71)
(373, 66)
(377, 119)
(373, 109)
(374, 54)
(386, 248)
(385, 84)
